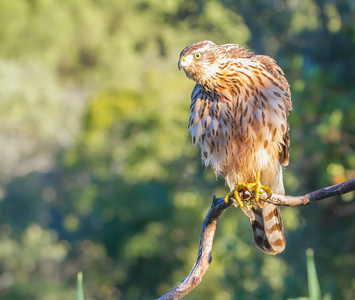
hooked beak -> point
(181, 62)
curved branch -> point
(204, 256)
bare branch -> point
(204, 256)
(312, 197)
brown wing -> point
(278, 74)
(285, 153)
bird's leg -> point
(258, 187)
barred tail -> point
(268, 229)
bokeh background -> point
(97, 171)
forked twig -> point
(204, 256)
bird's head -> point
(197, 60)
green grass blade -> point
(80, 292)
(327, 297)
(313, 284)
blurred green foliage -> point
(97, 172)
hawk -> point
(239, 118)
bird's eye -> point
(197, 55)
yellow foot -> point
(239, 187)
(256, 186)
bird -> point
(239, 118)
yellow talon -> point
(226, 198)
(236, 195)
(257, 189)
(256, 186)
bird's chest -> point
(223, 130)
(233, 136)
